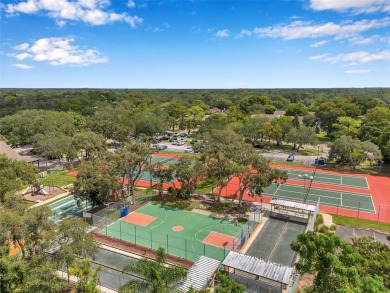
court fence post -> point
(338, 203)
(151, 241)
(185, 248)
(379, 211)
(358, 210)
(167, 243)
(135, 235)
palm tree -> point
(158, 278)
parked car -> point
(174, 142)
(173, 139)
(188, 149)
(164, 137)
(162, 147)
(183, 134)
(290, 158)
(181, 142)
(258, 146)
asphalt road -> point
(275, 155)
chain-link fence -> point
(296, 276)
(381, 213)
(110, 214)
(188, 248)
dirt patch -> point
(328, 220)
(305, 282)
(51, 191)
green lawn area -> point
(58, 179)
(358, 223)
(205, 186)
(323, 138)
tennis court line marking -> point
(277, 188)
(332, 190)
(328, 204)
(339, 197)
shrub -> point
(333, 227)
(324, 229)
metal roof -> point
(199, 274)
(293, 204)
(6, 150)
(255, 266)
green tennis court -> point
(347, 200)
(182, 233)
(166, 161)
(328, 178)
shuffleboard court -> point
(346, 200)
(328, 178)
(273, 241)
(68, 207)
(182, 233)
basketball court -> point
(182, 233)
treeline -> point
(62, 122)
(86, 101)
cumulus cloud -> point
(222, 33)
(354, 71)
(306, 29)
(318, 44)
(88, 11)
(58, 51)
(131, 4)
(243, 33)
(354, 58)
(22, 66)
(357, 6)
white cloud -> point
(22, 66)
(354, 58)
(357, 6)
(319, 57)
(131, 4)
(318, 44)
(88, 11)
(354, 71)
(243, 33)
(59, 51)
(22, 47)
(306, 29)
(222, 33)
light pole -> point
(305, 176)
(150, 171)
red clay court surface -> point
(139, 219)
(220, 240)
(379, 189)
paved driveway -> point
(346, 233)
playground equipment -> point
(38, 189)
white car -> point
(188, 149)
(181, 143)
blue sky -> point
(194, 44)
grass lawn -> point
(58, 179)
(323, 138)
(205, 186)
(310, 152)
(358, 223)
